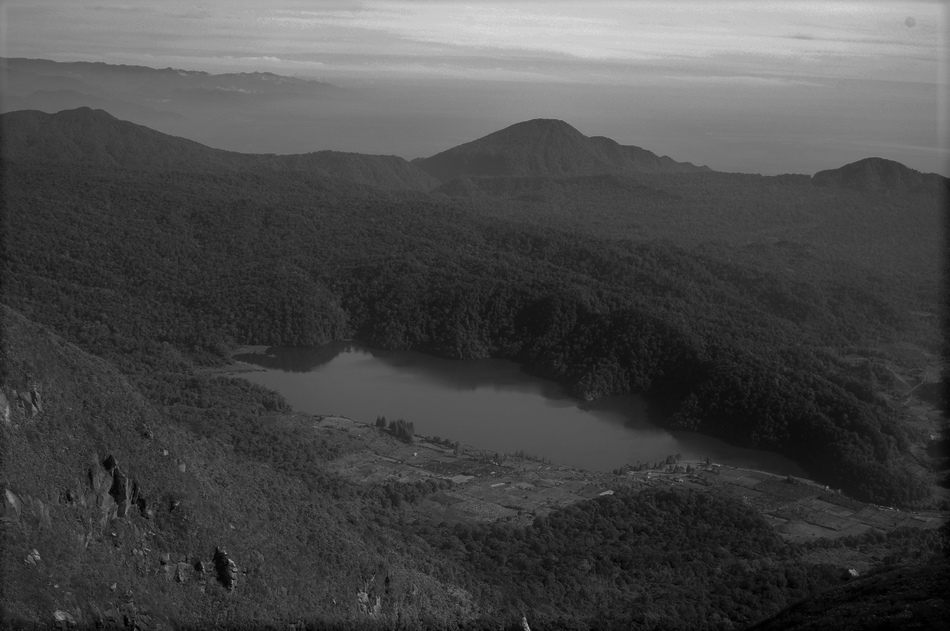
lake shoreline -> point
(493, 403)
(515, 491)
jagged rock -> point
(182, 572)
(144, 509)
(32, 558)
(524, 623)
(12, 506)
(25, 402)
(225, 569)
(36, 399)
(108, 510)
(64, 620)
(121, 492)
(95, 477)
(367, 606)
(5, 408)
(44, 515)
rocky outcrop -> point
(64, 620)
(225, 569)
(4, 408)
(28, 402)
(33, 558)
(12, 506)
(114, 492)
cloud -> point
(614, 39)
(749, 80)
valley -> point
(789, 314)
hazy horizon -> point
(798, 88)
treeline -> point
(657, 559)
(159, 271)
(400, 428)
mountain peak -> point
(545, 147)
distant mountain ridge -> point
(520, 161)
(95, 137)
(145, 81)
(547, 148)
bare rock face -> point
(225, 569)
(64, 620)
(12, 506)
(24, 400)
(121, 492)
(183, 572)
(5, 408)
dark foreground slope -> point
(122, 514)
(125, 262)
(137, 540)
(897, 598)
(547, 148)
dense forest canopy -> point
(771, 312)
(741, 335)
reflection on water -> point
(490, 404)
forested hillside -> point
(94, 137)
(207, 504)
(217, 509)
(546, 148)
(130, 263)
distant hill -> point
(548, 148)
(95, 137)
(147, 84)
(872, 174)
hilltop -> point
(879, 175)
(546, 148)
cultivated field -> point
(517, 490)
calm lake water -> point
(490, 404)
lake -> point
(489, 404)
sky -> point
(737, 85)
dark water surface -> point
(489, 403)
